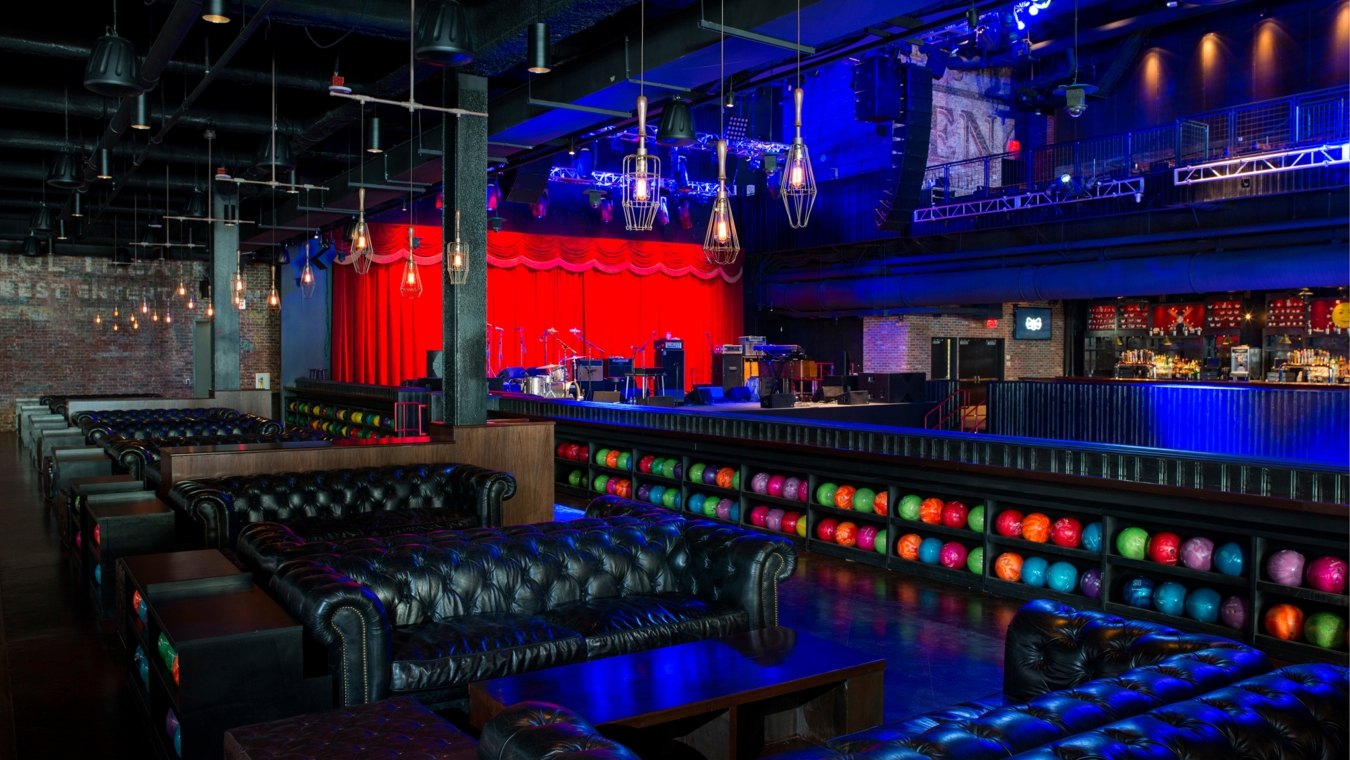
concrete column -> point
(465, 306)
(225, 326)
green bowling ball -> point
(881, 546)
(975, 560)
(909, 506)
(625, 459)
(975, 519)
(1132, 543)
(825, 493)
(696, 472)
(574, 478)
(864, 500)
(600, 455)
(670, 498)
(1325, 629)
(599, 483)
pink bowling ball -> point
(1327, 574)
(760, 483)
(1233, 612)
(790, 488)
(612, 486)
(1285, 567)
(723, 510)
(867, 538)
(774, 521)
(953, 555)
(1197, 552)
(776, 485)
(759, 516)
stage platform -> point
(887, 415)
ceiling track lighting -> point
(215, 12)
(540, 51)
(141, 120)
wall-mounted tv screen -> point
(1031, 323)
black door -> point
(979, 360)
(943, 364)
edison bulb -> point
(182, 289)
(457, 262)
(307, 277)
(722, 232)
(412, 277)
(796, 175)
(640, 191)
(98, 319)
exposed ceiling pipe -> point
(86, 105)
(181, 155)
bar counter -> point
(1340, 385)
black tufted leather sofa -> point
(529, 730)
(140, 457)
(101, 424)
(327, 504)
(427, 615)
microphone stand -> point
(520, 332)
(501, 349)
(487, 359)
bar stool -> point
(401, 410)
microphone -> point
(551, 331)
(575, 330)
(498, 329)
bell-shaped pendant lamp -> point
(641, 179)
(113, 70)
(307, 277)
(798, 184)
(676, 129)
(42, 218)
(284, 160)
(410, 286)
(441, 36)
(31, 248)
(196, 204)
(456, 259)
(65, 174)
(721, 245)
(361, 250)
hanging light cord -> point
(274, 115)
(1075, 41)
(722, 71)
(799, 43)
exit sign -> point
(992, 324)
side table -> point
(119, 529)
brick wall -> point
(904, 344)
(49, 342)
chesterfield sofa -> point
(101, 425)
(328, 504)
(1077, 684)
(426, 615)
(140, 457)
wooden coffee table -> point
(728, 697)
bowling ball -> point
(1233, 612)
(612, 458)
(659, 467)
(583, 452)
(170, 722)
(1139, 592)
(1203, 604)
(709, 475)
(881, 546)
(1091, 583)
(909, 506)
(930, 550)
(612, 486)
(825, 493)
(1132, 543)
(695, 470)
(575, 477)
(954, 514)
(825, 529)
(1325, 629)
(789, 522)
(881, 504)
(601, 455)
(626, 489)
(1169, 598)
(1062, 577)
(1036, 527)
(735, 478)
(1092, 537)
(1327, 574)
(138, 604)
(1008, 523)
(776, 485)
(677, 469)
(695, 503)
(953, 555)
(726, 509)
(1033, 571)
(644, 491)
(790, 488)
(867, 538)
(561, 451)
(759, 516)
(975, 520)
(1008, 567)
(657, 493)
(1197, 553)
(98, 573)
(625, 460)
(774, 521)
(930, 511)
(599, 483)
(1284, 621)
(863, 500)
(801, 525)
(760, 482)
(1164, 547)
(142, 666)
(574, 452)
(846, 534)
(1228, 559)
(843, 496)
(726, 478)
(1066, 532)
(908, 546)
(671, 498)
(975, 560)
(1285, 567)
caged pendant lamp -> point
(307, 277)
(456, 259)
(361, 252)
(641, 177)
(798, 184)
(410, 286)
(721, 244)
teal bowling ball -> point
(695, 503)
(1033, 571)
(657, 495)
(1138, 592)
(1203, 604)
(1228, 559)
(1092, 537)
(1169, 598)
(1060, 576)
(930, 551)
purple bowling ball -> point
(710, 476)
(1285, 567)
(1197, 553)
(724, 510)
(644, 491)
(790, 487)
(1091, 583)
(760, 483)
(775, 520)
(1233, 613)
(677, 472)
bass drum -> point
(537, 385)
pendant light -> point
(641, 178)
(141, 117)
(676, 129)
(113, 70)
(798, 184)
(182, 286)
(1075, 93)
(65, 174)
(307, 276)
(540, 54)
(456, 259)
(442, 37)
(273, 299)
(374, 142)
(77, 205)
(210, 303)
(214, 12)
(410, 286)
(168, 313)
(361, 232)
(721, 245)
(104, 164)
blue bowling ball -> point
(930, 551)
(735, 514)
(1092, 537)
(1169, 598)
(1060, 576)
(98, 574)
(655, 495)
(1203, 604)
(1228, 559)
(1033, 571)
(696, 503)
(1139, 592)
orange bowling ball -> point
(908, 546)
(843, 497)
(725, 477)
(930, 511)
(1008, 567)
(1285, 621)
(1036, 527)
(846, 534)
(881, 504)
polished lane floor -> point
(63, 684)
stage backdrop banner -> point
(619, 295)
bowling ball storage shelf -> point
(941, 522)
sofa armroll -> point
(488, 488)
(532, 730)
(736, 565)
(203, 514)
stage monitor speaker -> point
(896, 387)
(854, 397)
(495, 383)
(435, 364)
(511, 373)
(608, 397)
(909, 148)
(705, 395)
(728, 370)
(667, 401)
(778, 401)
(829, 393)
(739, 393)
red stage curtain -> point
(617, 293)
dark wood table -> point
(728, 697)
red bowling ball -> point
(825, 529)
(789, 523)
(954, 515)
(1164, 548)
(759, 516)
(645, 464)
(1066, 532)
(1009, 524)
(561, 451)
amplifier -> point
(618, 366)
(732, 348)
(853, 397)
(589, 370)
(895, 387)
(777, 401)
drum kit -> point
(552, 381)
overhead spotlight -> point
(1075, 97)
(540, 207)
(662, 212)
(215, 12)
(540, 55)
(284, 158)
(374, 143)
(730, 101)
(1172, 3)
(113, 70)
(61, 229)
(104, 164)
(593, 196)
(572, 148)
(606, 210)
(677, 125)
(442, 35)
(495, 223)
(141, 120)
(494, 197)
(77, 205)
(65, 173)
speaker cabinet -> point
(895, 387)
(909, 148)
(608, 397)
(667, 401)
(670, 360)
(728, 370)
(829, 393)
(854, 397)
(705, 395)
(778, 401)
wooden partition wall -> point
(524, 449)
(255, 402)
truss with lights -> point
(1095, 192)
(1267, 163)
(568, 175)
(745, 147)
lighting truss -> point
(746, 147)
(1266, 163)
(1099, 191)
(568, 175)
